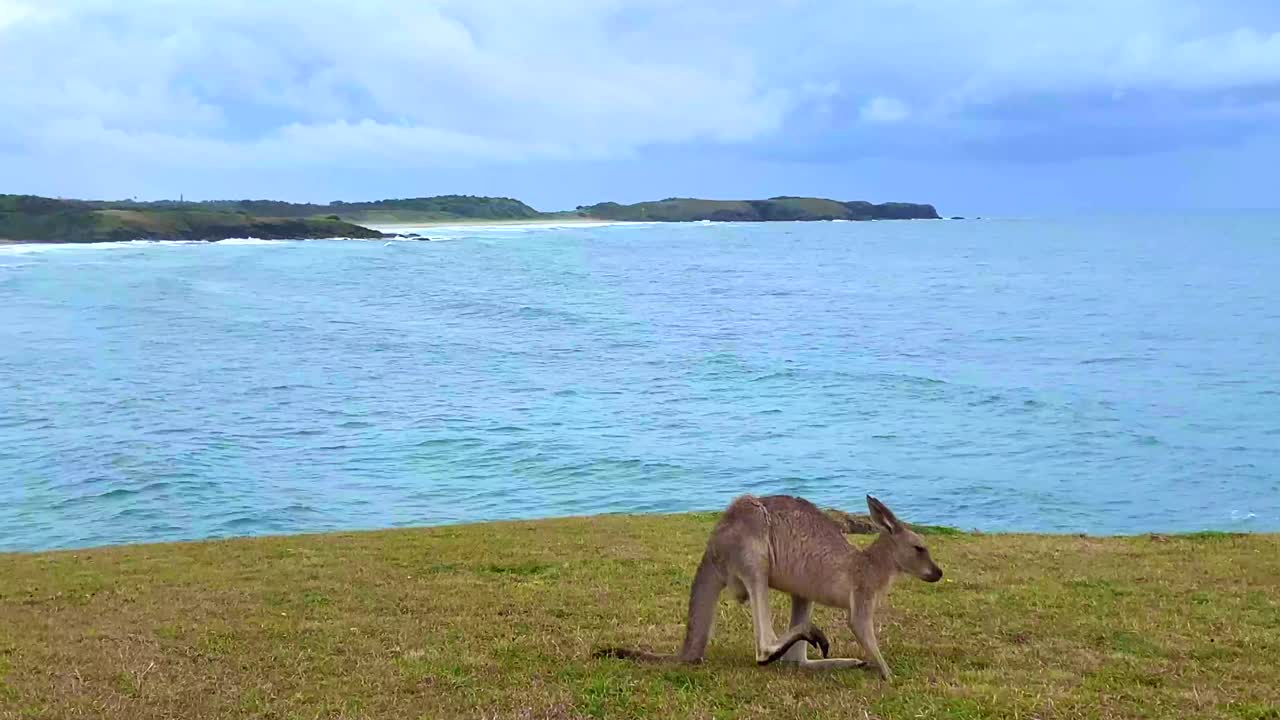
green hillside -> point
(36, 219)
(443, 208)
(773, 209)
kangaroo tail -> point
(707, 584)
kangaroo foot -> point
(810, 634)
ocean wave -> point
(411, 240)
(1109, 360)
(33, 248)
(118, 494)
(250, 241)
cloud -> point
(435, 79)
(12, 12)
(887, 110)
(155, 86)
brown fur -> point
(786, 543)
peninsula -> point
(773, 209)
(30, 218)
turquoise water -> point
(1107, 375)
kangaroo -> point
(786, 543)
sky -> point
(1002, 107)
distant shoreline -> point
(34, 219)
(398, 229)
(481, 222)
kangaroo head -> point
(907, 547)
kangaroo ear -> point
(883, 516)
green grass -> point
(500, 620)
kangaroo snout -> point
(935, 575)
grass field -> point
(499, 621)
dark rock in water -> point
(862, 524)
(407, 236)
(957, 217)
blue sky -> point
(1006, 107)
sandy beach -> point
(400, 226)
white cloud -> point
(449, 83)
(943, 57)
(11, 12)
(884, 110)
(432, 80)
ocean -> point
(1106, 375)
